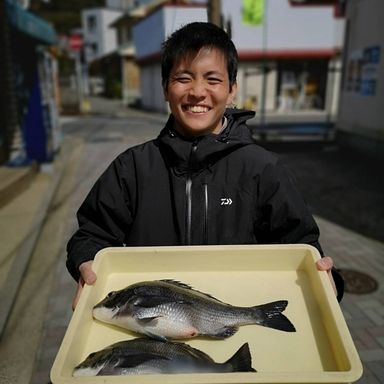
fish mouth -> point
(196, 108)
(81, 371)
(104, 313)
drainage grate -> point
(358, 282)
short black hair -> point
(191, 38)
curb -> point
(22, 254)
(14, 180)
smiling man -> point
(203, 180)
(198, 91)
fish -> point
(169, 309)
(149, 356)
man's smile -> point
(196, 108)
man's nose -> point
(198, 89)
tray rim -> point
(353, 374)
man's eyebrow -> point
(186, 71)
(182, 72)
(214, 73)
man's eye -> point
(183, 79)
(214, 80)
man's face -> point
(198, 92)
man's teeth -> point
(197, 108)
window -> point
(91, 23)
(95, 49)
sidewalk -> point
(25, 196)
(28, 271)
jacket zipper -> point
(205, 213)
(188, 223)
(188, 192)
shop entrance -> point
(301, 84)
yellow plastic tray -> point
(320, 351)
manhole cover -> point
(358, 282)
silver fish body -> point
(149, 356)
(167, 309)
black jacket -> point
(215, 189)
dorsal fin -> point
(179, 284)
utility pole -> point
(214, 12)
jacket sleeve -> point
(104, 218)
(284, 217)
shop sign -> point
(363, 71)
(75, 42)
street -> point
(43, 309)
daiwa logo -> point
(226, 201)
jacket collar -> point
(178, 150)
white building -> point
(361, 115)
(299, 46)
(99, 38)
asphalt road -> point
(339, 185)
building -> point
(29, 126)
(99, 38)
(360, 122)
(125, 55)
(289, 61)
(108, 49)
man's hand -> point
(326, 264)
(87, 277)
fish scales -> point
(168, 309)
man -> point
(203, 180)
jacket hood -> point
(194, 154)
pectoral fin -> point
(148, 321)
(225, 332)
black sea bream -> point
(167, 309)
(146, 356)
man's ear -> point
(165, 91)
(232, 93)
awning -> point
(30, 24)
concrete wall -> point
(361, 113)
(131, 80)
(151, 90)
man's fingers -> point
(87, 277)
(324, 264)
(77, 294)
(87, 272)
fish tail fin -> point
(272, 317)
(241, 361)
